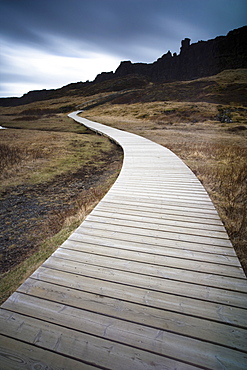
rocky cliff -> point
(201, 59)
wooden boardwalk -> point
(149, 280)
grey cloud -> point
(116, 26)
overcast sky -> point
(51, 43)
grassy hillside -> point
(228, 87)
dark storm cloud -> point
(118, 26)
(115, 26)
(137, 30)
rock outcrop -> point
(201, 59)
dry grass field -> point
(53, 171)
(50, 180)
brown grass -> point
(222, 168)
(79, 164)
(34, 156)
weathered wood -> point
(61, 270)
(194, 205)
(150, 279)
(146, 269)
(156, 224)
(151, 258)
(87, 348)
(222, 258)
(109, 297)
(153, 242)
(178, 234)
(164, 216)
(108, 353)
(129, 325)
(17, 355)
(167, 209)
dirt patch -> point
(32, 213)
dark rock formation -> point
(104, 76)
(201, 59)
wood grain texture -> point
(149, 280)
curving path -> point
(149, 280)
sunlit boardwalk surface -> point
(149, 280)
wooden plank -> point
(162, 226)
(167, 272)
(84, 347)
(178, 193)
(153, 258)
(160, 221)
(153, 242)
(165, 185)
(170, 200)
(16, 355)
(165, 213)
(161, 190)
(203, 292)
(187, 183)
(176, 204)
(111, 299)
(202, 199)
(160, 251)
(121, 319)
(176, 235)
(178, 228)
(149, 180)
(158, 208)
